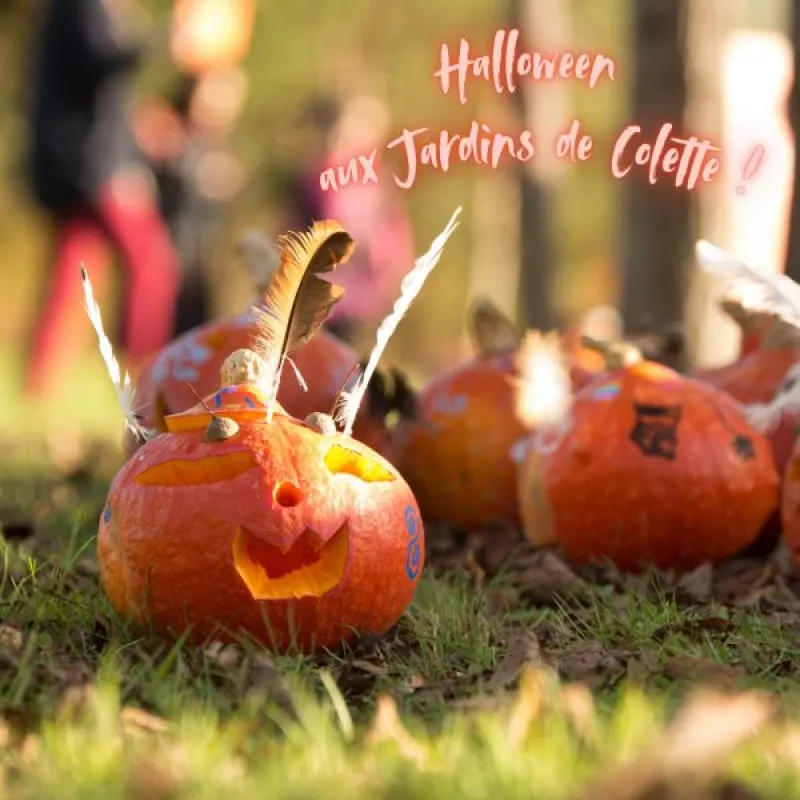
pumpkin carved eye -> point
(191, 472)
(340, 459)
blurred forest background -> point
(546, 241)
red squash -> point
(457, 455)
(283, 529)
(655, 469)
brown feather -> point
(297, 300)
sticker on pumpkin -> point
(607, 392)
(655, 430)
(743, 447)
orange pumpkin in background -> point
(287, 530)
(653, 469)
(171, 380)
(457, 455)
(757, 375)
(193, 361)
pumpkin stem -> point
(779, 332)
(490, 330)
(748, 320)
(616, 354)
(241, 366)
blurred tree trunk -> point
(711, 338)
(539, 108)
(656, 235)
(793, 248)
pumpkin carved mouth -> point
(308, 568)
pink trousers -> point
(133, 227)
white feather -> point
(349, 402)
(773, 293)
(765, 417)
(297, 374)
(121, 381)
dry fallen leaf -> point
(697, 584)
(387, 727)
(11, 639)
(703, 670)
(264, 683)
(739, 582)
(691, 751)
(476, 572)
(590, 663)
(547, 579)
(577, 702)
(378, 670)
(523, 650)
(528, 703)
(137, 722)
(225, 656)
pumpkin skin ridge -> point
(617, 469)
(147, 522)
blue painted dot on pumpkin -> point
(107, 514)
(248, 402)
(414, 549)
(607, 392)
(413, 558)
(412, 520)
(185, 373)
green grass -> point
(496, 694)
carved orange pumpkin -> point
(225, 523)
(192, 362)
(458, 454)
(654, 469)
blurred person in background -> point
(186, 139)
(87, 172)
(373, 214)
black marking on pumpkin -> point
(655, 430)
(743, 447)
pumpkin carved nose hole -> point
(287, 495)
